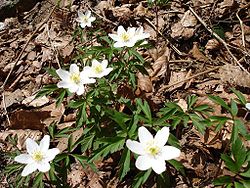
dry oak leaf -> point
(35, 102)
(141, 11)
(122, 13)
(22, 135)
(234, 75)
(212, 44)
(144, 83)
(185, 27)
(223, 7)
(197, 53)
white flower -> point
(248, 106)
(85, 19)
(152, 150)
(38, 156)
(73, 80)
(140, 35)
(98, 70)
(2, 26)
(124, 38)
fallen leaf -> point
(35, 102)
(144, 83)
(234, 75)
(197, 53)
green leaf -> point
(241, 127)
(84, 161)
(240, 96)
(60, 97)
(246, 183)
(124, 163)
(141, 178)
(119, 117)
(114, 144)
(239, 153)
(145, 108)
(178, 166)
(137, 55)
(234, 108)
(191, 100)
(38, 180)
(246, 173)
(197, 122)
(222, 180)
(46, 90)
(230, 163)
(238, 185)
(220, 101)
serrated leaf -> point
(220, 101)
(124, 163)
(240, 96)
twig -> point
(5, 109)
(242, 30)
(105, 19)
(171, 45)
(26, 44)
(218, 38)
(186, 79)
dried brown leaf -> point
(234, 75)
(144, 83)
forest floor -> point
(199, 47)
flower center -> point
(75, 77)
(85, 19)
(152, 149)
(37, 156)
(125, 37)
(98, 69)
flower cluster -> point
(38, 156)
(128, 38)
(74, 79)
(85, 19)
(152, 150)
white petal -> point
(80, 14)
(104, 63)
(144, 135)
(83, 25)
(170, 152)
(43, 166)
(31, 146)
(51, 153)
(119, 44)
(91, 19)
(64, 75)
(28, 169)
(63, 84)
(248, 106)
(161, 136)
(121, 30)
(130, 43)
(131, 31)
(80, 90)
(23, 158)
(95, 63)
(143, 163)
(114, 37)
(158, 166)
(73, 68)
(88, 24)
(44, 143)
(106, 71)
(73, 88)
(135, 147)
(88, 14)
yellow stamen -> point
(75, 77)
(98, 69)
(37, 156)
(152, 149)
(125, 37)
